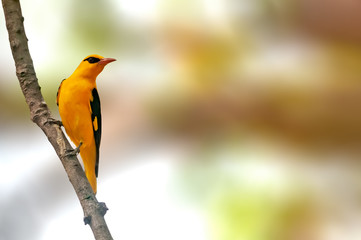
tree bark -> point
(40, 114)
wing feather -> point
(97, 124)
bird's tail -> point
(88, 156)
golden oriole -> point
(79, 109)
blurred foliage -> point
(250, 199)
(96, 25)
(251, 215)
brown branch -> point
(40, 114)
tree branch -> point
(40, 114)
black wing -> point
(97, 124)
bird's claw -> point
(73, 152)
(51, 120)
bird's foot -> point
(73, 152)
(51, 120)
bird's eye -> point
(92, 59)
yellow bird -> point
(79, 109)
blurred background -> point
(222, 120)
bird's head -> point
(92, 65)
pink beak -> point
(105, 61)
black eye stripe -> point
(92, 59)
